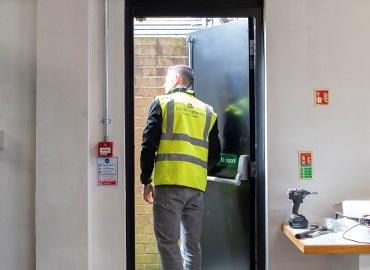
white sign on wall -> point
(107, 171)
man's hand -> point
(148, 193)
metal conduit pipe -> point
(106, 119)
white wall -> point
(311, 44)
(78, 225)
(62, 135)
(106, 204)
(17, 119)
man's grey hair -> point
(185, 71)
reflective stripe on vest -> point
(182, 157)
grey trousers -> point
(178, 211)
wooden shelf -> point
(332, 243)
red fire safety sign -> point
(321, 97)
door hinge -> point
(253, 169)
(140, 19)
(252, 47)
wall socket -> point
(2, 139)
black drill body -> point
(296, 220)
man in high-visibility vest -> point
(180, 141)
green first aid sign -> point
(228, 160)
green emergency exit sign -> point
(306, 173)
(228, 160)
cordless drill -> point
(296, 220)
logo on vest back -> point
(189, 110)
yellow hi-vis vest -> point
(182, 155)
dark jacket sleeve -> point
(214, 148)
(151, 138)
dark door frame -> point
(258, 183)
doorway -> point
(239, 244)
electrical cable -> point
(349, 239)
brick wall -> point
(152, 58)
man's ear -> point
(177, 79)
